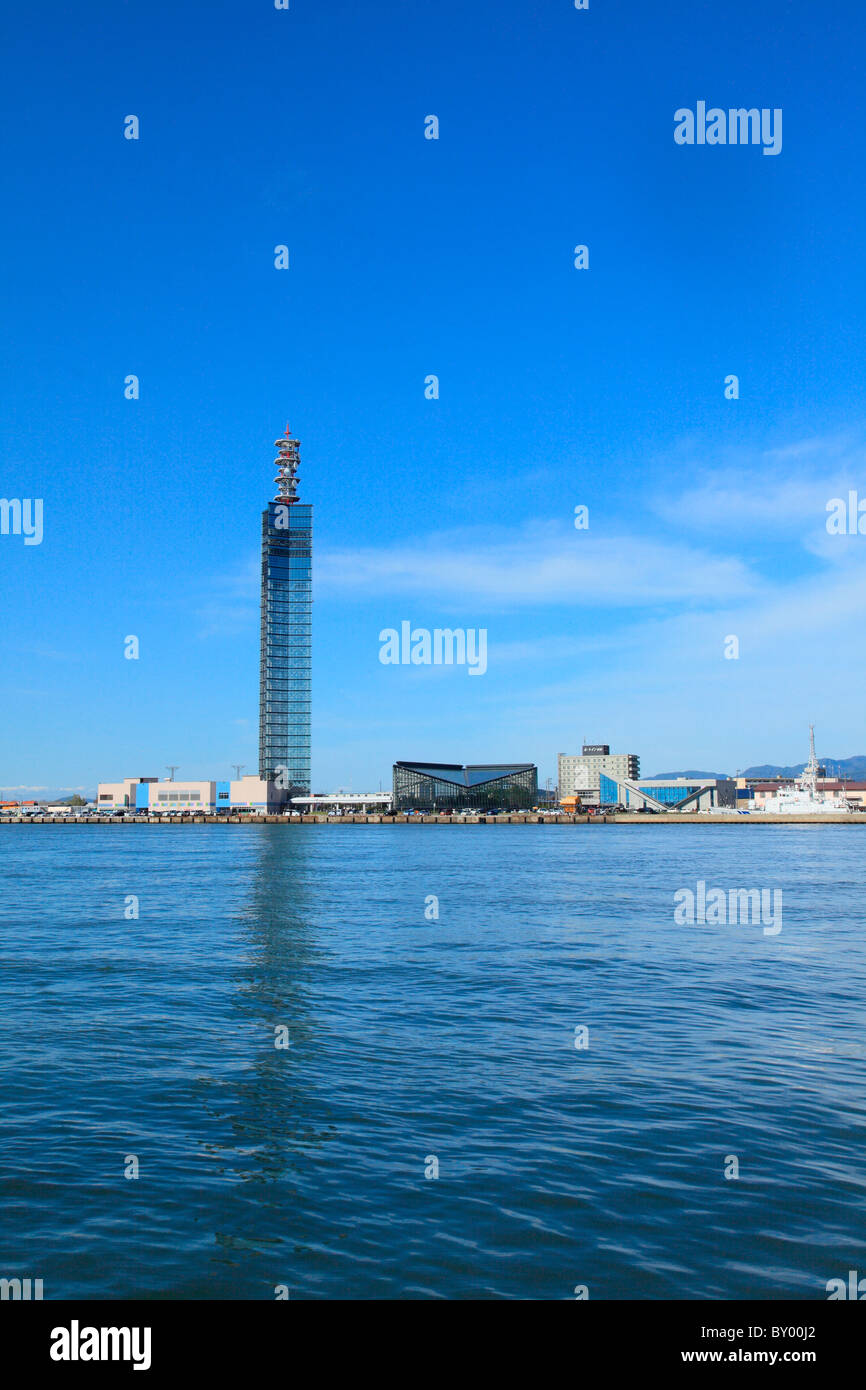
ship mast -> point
(810, 772)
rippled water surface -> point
(413, 1039)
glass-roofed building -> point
(452, 787)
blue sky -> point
(410, 257)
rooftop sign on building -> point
(598, 750)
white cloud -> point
(768, 492)
(540, 565)
(667, 683)
(55, 791)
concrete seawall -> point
(624, 818)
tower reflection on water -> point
(263, 1094)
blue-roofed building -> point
(668, 793)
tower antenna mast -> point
(287, 462)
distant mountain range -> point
(28, 794)
(696, 776)
(851, 769)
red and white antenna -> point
(288, 462)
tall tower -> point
(284, 696)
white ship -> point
(803, 797)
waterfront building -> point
(668, 793)
(249, 793)
(452, 787)
(343, 801)
(178, 796)
(252, 793)
(580, 773)
(129, 794)
(286, 629)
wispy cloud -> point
(55, 791)
(543, 564)
(766, 493)
(695, 558)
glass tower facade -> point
(286, 617)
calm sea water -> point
(413, 1039)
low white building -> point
(180, 796)
(253, 794)
(122, 796)
(248, 793)
(343, 801)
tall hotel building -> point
(581, 774)
(284, 697)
